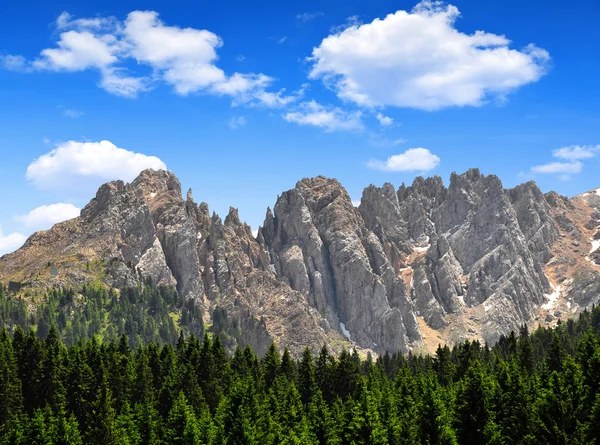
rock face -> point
(320, 245)
(410, 267)
(146, 229)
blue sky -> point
(242, 99)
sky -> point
(243, 99)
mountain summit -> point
(405, 270)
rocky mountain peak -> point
(406, 269)
(233, 217)
(154, 182)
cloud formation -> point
(559, 167)
(46, 216)
(574, 152)
(384, 121)
(184, 58)
(570, 163)
(10, 242)
(73, 113)
(308, 16)
(237, 122)
(418, 59)
(328, 118)
(74, 163)
(413, 159)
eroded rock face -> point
(146, 229)
(472, 260)
(320, 245)
(469, 245)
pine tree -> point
(103, 428)
(182, 426)
(52, 390)
(307, 382)
(11, 397)
(288, 367)
(271, 364)
(472, 406)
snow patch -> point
(462, 300)
(152, 195)
(422, 249)
(345, 331)
(552, 298)
(598, 192)
(272, 268)
(595, 245)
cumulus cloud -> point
(326, 117)
(418, 59)
(10, 242)
(413, 159)
(184, 58)
(74, 163)
(46, 216)
(384, 121)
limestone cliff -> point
(407, 269)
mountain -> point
(405, 270)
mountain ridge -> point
(406, 269)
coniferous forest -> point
(530, 388)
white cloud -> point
(570, 164)
(72, 163)
(419, 59)
(350, 21)
(282, 40)
(384, 121)
(413, 159)
(558, 167)
(73, 113)
(10, 242)
(575, 152)
(13, 63)
(184, 58)
(237, 122)
(308, 16)
(328, 118)
(46, 216)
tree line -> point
(530, 388)
(145, 313)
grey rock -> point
(350, 279)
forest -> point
(146, 313)
(541, 387)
